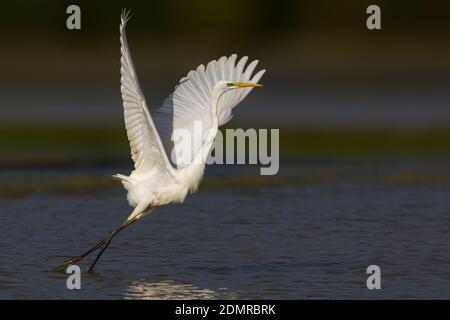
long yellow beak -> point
(247, 84)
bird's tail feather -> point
(126, 181)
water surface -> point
(311, 235)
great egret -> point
(207, 94)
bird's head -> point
(229, 85)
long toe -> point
(62, 267)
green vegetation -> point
(50, 145)
(366, 142)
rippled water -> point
(280, 241)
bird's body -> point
(169, 189)
(167, 169)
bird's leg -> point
(75, 259)
(105, 241)
(109, 238)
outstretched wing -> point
(147, 150)
(191, 102)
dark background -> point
(364, 119)
(332, 85)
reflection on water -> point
(171, 290)
(311, 239)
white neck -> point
(196, 168)
(208, 141)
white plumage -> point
(191, 100)
(160, 177)
(207, 96)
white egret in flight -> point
(207, 94)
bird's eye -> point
(229, 84)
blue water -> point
(289, 240)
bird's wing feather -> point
(191, 101)
(147, 150)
